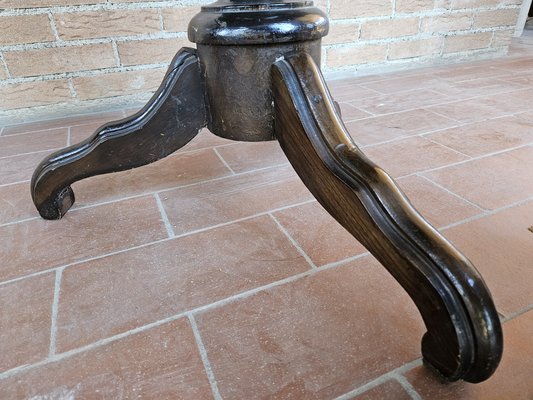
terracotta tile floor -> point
(214, 274)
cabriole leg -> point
(172, 117)
(464, 337)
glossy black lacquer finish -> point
(257, 22)
(464, 338)
(173, 116)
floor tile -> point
(165, 279)
(176, 170)
(393, 126)
(486, 137)
(476, 87)
(25, 318)
(32, 142)
(232, 198)
(15, 203)
(468, 111)
(460, 73)
(410, 155)
(390, 390)
(527, 116)
(316, 338)
(350, 112)
(512, 380)
(347, 92)
(402, 101)
(206, 139)
(19, 168)
(322, 238)
(63, 122)
(404, 83)
(438, 206)
(491, 182)
(501, 247)
(36, 245)
(509, 103)
(160, 363)
(242, 157)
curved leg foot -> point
(464, 337)
(172, 117)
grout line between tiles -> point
(154, 324)
(380, 380)
(518, 313)
(453, 193)
(344, 261)
(407, 386)
(31, 153)
(55, 309)
(68, 136)
(136, 196)
(189, 233)
(293, 241)
(430, 106)
(197, 310)
(487, 214)
(448, 147)
(205, 359)
(425, 171)
(20, 221)
(164, 216)
(223, 161)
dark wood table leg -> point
(172, 117)
(464, 336)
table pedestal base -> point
(464, 337)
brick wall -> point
(81, 52)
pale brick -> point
(118, 83)
(493, 18)
(177, 19)
(3, 73)
(460, 4)
(31, 94)
(389, 28)
(42, 3)
(342, 33)
(447, 23)
(25, 29)
(150, 51)
(322, 4)
(342, 9)
(472, 41)
(59, 59)
(502, 38)
(97, 24)
(339, 57)
(415, 48)
(410, 6)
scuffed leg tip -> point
(58, 206)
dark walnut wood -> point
(464, 336)
(172, 117)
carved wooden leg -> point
(464, 337)
(172, 117)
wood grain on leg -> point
(464, 337)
